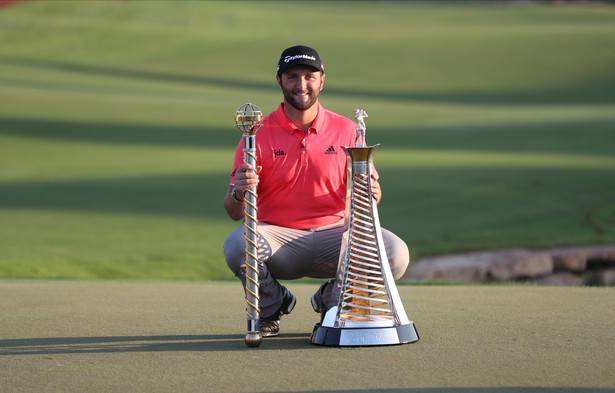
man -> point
(301, 177)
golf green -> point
(120, 336)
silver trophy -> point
(369, 310)
(248, 119)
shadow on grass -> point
(226, 343)
(200, 195)
(130, 134)
(566, 136)
(113, 344)
(564, 95)
(193, 195)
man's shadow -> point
(111, 344)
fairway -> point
(95, 336)
(496, 125)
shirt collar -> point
(288, 125)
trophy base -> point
(364, 337)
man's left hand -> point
(376, 190)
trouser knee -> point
(234, 252)
(397, 253)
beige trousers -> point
(290, 254)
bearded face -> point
(301, 86)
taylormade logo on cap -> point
(291, 58)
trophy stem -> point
(253, 336)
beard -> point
(297, 102)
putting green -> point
(94, 336)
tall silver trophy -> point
(369, 311)
(248, 119)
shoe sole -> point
(270, 334)
(290, 307)
(315, 304)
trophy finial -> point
(359, 114)
(248, 119)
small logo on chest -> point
(279, 152)
(330, 150)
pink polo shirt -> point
(303, 180)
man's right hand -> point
(246, 177)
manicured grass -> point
(496, 124)
(74, 336)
